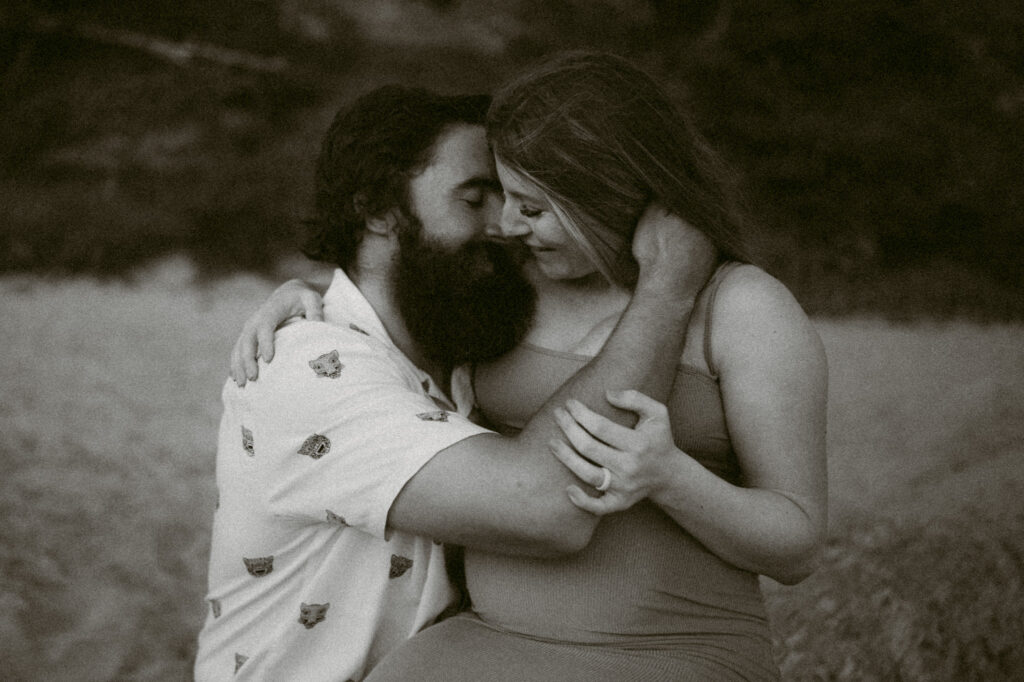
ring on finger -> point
(606, 481)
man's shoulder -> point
(301, 335)
(314, 351)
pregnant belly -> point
(640, 577)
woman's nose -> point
(512, 223)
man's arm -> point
(508, 494)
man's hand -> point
(292, 298)
(672, 253)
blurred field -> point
(111, 400)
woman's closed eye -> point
(529, 212)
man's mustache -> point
(513, 246)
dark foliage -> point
(879, 142)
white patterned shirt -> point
(305, 581)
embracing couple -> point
(548, 424)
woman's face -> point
(527, 215)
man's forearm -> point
(487, 491)
(641, 353)
(508, 495)
(517, 502)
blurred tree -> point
(873, 137)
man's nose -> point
(492, 225)
(512, 223)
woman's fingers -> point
(582, 440)
(237, 369)
(247, 350)
(265, 341)
(648, 409)
(241, 353)
(585, 471)
(625, 458)
(606, 504)
(599, 426)
(294, 297)
(313, 304)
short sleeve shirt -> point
(305, 580)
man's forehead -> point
(461, 156)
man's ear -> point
(383, 225)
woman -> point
(725, 482)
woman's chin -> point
(535, 272)
(539, 270)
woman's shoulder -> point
(755, 311)
(746, 289)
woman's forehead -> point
(515, 184)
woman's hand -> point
(293, 298)
(639, 461)
(668, 249)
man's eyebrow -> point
(481, 182)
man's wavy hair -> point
(369, 154)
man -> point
(346, 466)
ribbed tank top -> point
(643, 582)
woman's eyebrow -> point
(523, 197)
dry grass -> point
(106, 460)
(111, 399)
(909, 601)
(924, 419)
(923, 576)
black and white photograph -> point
(523, 341)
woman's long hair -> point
(602, 140)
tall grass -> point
(107, 429)
(924, 419)
(940, 600)
(106, 461)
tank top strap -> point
(712, 293)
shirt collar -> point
(344, 304)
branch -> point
(180, 53)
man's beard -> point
(463, 305)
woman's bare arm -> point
(773, 378)
(292, 299)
